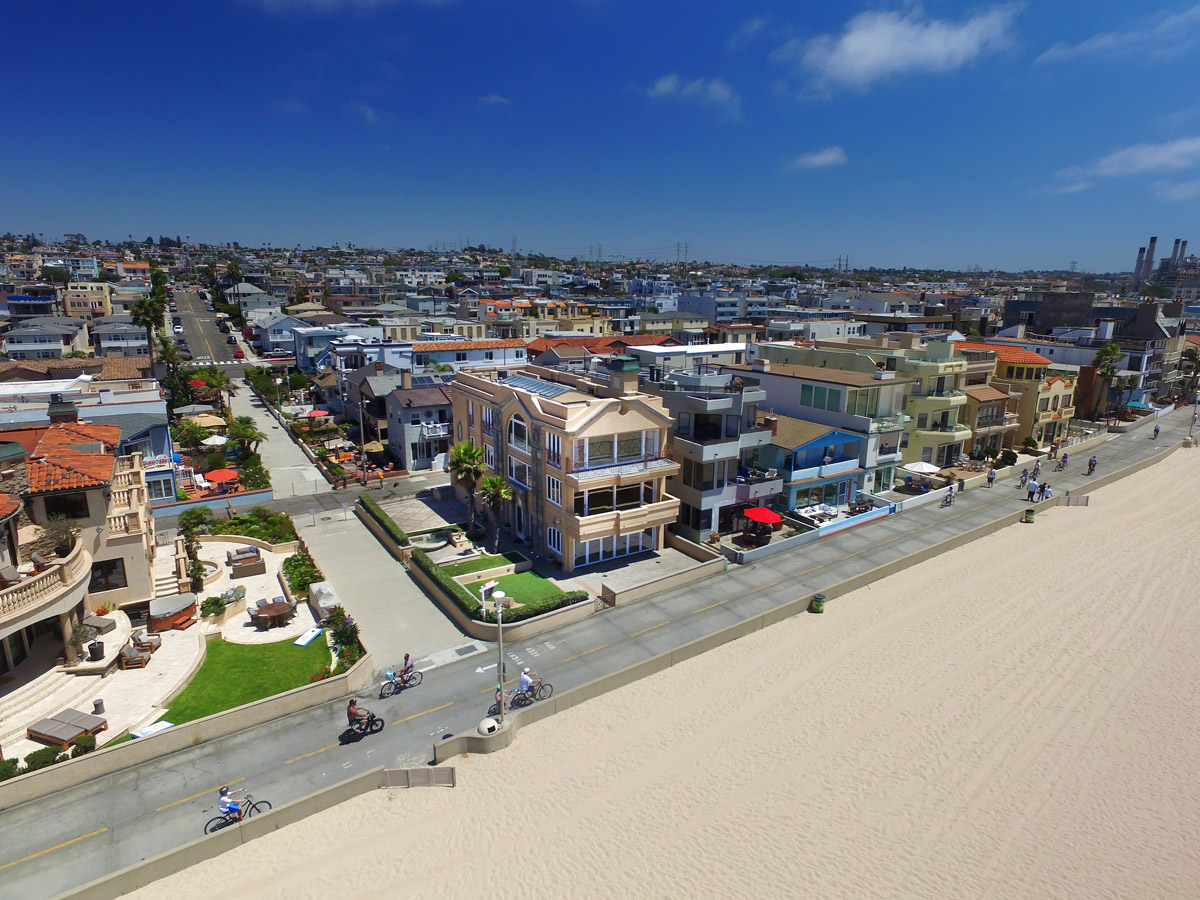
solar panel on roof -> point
(425, 381)
(536, 385)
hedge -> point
(9, 768)
(41, 759)
(389, 524)
(300, 571)
(470, 604)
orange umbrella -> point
(754, 514)
(219, 475)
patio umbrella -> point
(921, 468)
(218, 475)
(192, 408)
(373, 447)
(215, 440)
(763, 515)
(316, 414)
(198, 383)
(204, 420)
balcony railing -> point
(435, 429)
(125, 523)
(47, 585)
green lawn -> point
(485, 561)
(233, 674)
(525, 587)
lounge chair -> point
(64, 727)
(201, 481)
(144, 641)
(262, 602)
(131, 657)
(245, 554)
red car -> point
(239, 353)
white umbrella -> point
(921, 468)
(215, 440)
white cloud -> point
(881, 44)
(1072, 187)
(366, 112)
(709, 91)
(820, 159)
(1169, 157)
(494, 100)
(1181, 190)
(1166, 34)
(746, 32)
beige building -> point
(88, 300)
(1042, 395)
(584, 458)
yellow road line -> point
(889, 540)
(492, 689)
(585, 653)
(427, 712)
(806, 571)
(955, 516)
(651, 628)
(764, 587)
(307, 755)
(201, 794)
(855, 553)
(55, 847)
(711, 605)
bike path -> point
(121, 819)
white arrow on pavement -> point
(481, 669)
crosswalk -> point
(205, 361)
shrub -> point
(181, 494)
(85, 743)
(215, 460)
(102, 610)
(9, 768)
(198, 520)
(252, 475)
(336, 471)
(389, 524)
(44, 758)
(348, 656)
(300, 571)
(1007, 458)
(459, 594)
(321, 675)
(195, 571)
(345, 635)
(212, 606)
(542, 605)
(276, 528)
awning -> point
(219, 475)
(316, 414)
(763, 515)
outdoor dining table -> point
(274, 611)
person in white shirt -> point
(228, 806)
(527, 681)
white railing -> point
(46, 585)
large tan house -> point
(584, 457)
(1042, 395)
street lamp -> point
(498, 600)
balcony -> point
(756, 487)
(825, 470)
(56, 590)
(435, 429)
(623, 521)
(890, 423)
(623, 471)
(951, 432)
(938, 400)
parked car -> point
(178, 329)
(180, 342)
(223, 327)
(176, 320)
(239, 353)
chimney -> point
(1174, 256)
(1151, 248)
(1182, 252)
(1137, 267)
(772, 422)
(378, 367)
(622, 376)
(61, 410)
(406, 379)
(761, 364)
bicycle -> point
(517, 698)
(392, 686)
(249, 807)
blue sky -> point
(938, 134)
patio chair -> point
(9, 576)
(132, 658)
(145, 641)
(262, 602)
(39, 561)
(201, 481)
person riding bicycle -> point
(228, 806)
(356, 714)
(1064, 460)
(527, 681)
(1091, 465)
(1156, 432)
(405, 670)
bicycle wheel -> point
(376, 725)
(494, 709)
(389, 688)
(215, 825)
(258, 806)
(413, 680)
(544, 691)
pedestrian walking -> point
(1048, 493)
(1031, 487)
(1041, 493)
(991, 476)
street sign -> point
(488, 587)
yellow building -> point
(88, 299)
(584, 458)
(1044, 395)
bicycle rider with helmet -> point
(528, 682)
(228, 806)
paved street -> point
(157, 806)
(205, 343)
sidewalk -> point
(292, 475)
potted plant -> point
(85, 634)
(60, 533)
(714, 538)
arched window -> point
(518, 433)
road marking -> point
(307, 755)
(201, 794)
(955, 516)
(711, 605)
(889, 540)
(855, 553)
(52, 849)
(652, 627)
(417, 715)
(756, 590)
(813, 569)
(593, 650)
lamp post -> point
(498, 599)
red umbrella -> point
(219, 475)
(315, 414)
(198, 383)
(761, 514)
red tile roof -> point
(467, 345)
(600, 344)
(68, 470)
(9, 504)
(64, 434)
(1013, 355)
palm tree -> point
(146, 314)
(466, 467)
(245, 433)
(1192, 355)
(1105, 362)
(219, 382)
(493, 490)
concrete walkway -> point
(292, 475)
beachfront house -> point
(818, 464)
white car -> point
(178, 329)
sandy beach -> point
(1016, 719)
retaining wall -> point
(242, 498)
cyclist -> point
(405, 670)
(528, 682)
(356, 714)
(1091, 465)
(228, 806)
(1156, 432)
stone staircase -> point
(44, 696)
(165, 585)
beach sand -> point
(1015, 719)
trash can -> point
(817, 604)
(1028, 517)
(97, 707)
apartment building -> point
(418, 423)
(585, 458)
(88, 300)
(47, 338)
(1043, 397)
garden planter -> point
(96, 651)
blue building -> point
(819, 464)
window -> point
(554, 490)
(470, 412)
(414, 418)
(518, 433)
(554, 539)
(73, 506)
(518, 471)
(486, 413)
(818, 397)
(806, 395)
(554, 449)
(460, 356)
(833, 401)
(489, 456)
(685, 423)
(922, 420)
(160, 489)
(488, 354)
(107, 576)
